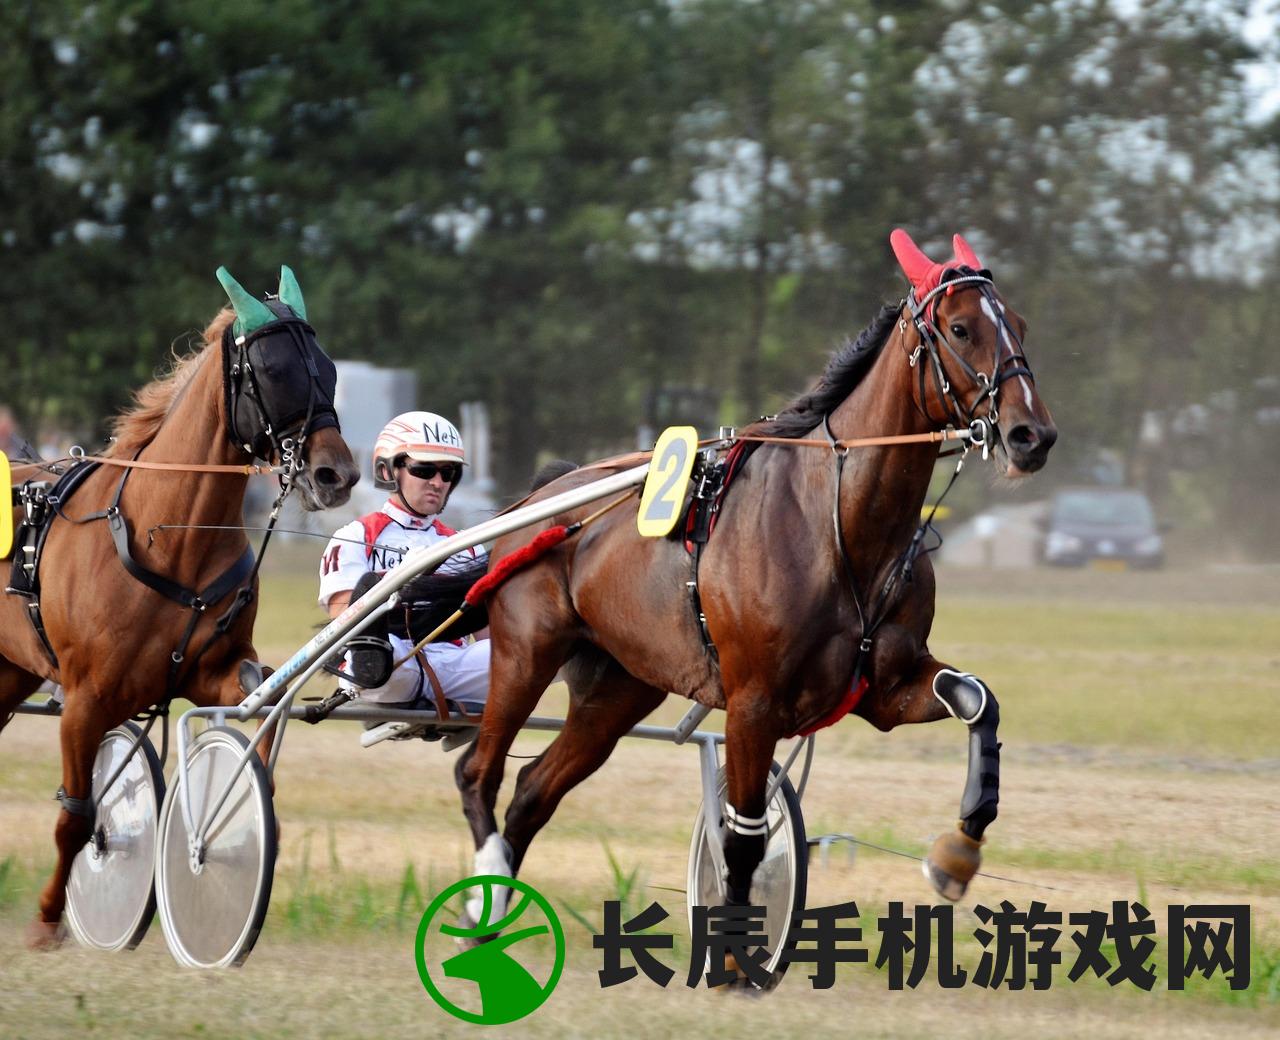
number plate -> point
(6, 513)
(1109, 565)
(668, 477)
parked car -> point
(1102, 526)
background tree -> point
(598, 217)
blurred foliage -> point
(577, 212)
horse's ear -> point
(251, 313)
(915, 265)
(965, 253)
(291, 293)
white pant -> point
(463, 672)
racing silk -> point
(380, 541)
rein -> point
(841, 445)
(248, 470)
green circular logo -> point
(502, 960)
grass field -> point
(1141, 761)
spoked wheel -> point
(779, 883)
(110, 893)
(213, 899)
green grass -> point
(1161, 679)
(1187, 679)
(1172, 869)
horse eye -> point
(959, 332)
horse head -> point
(279, 392)
(972, 369)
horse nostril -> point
(1023, 438)
(326, 477)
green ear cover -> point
(291, 294)
(251, 313)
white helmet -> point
(423, 436)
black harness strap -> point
(40, 504)
(702, 508)
(196, 602)
(902, 567)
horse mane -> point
(133, 429)
(846, 369)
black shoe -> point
(371, 661)
(371, 657)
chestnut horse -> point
(798, 608)
(260, 385)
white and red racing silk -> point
(380, 541)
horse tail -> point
(552, 470)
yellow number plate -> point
(668, 477)
(1109, 565)
(6, 513)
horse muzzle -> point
(1026, 446)
(330, 473)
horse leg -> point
(16, 685)
(605, 703)
(934, 691)
(517, 680)
(83, 725)
(229, 684)
(749, 742)
(749, 745)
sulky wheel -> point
(110, 893)
(213, 899)
(780, 881)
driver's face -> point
(425, 496)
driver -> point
(419, 457)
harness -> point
(711, 479)
(40, 500)
(42, 504)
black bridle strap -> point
(930, 338)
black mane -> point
(845, 371)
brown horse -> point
(259, 385)
(798, 608)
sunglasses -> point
(449, 472)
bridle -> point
(983, 429)
(265, 409)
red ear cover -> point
(965, 253)
(921, 272)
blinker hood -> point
(275, 374)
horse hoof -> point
(741, 984)
(951, 863)
(43, 935)
(469, 942)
